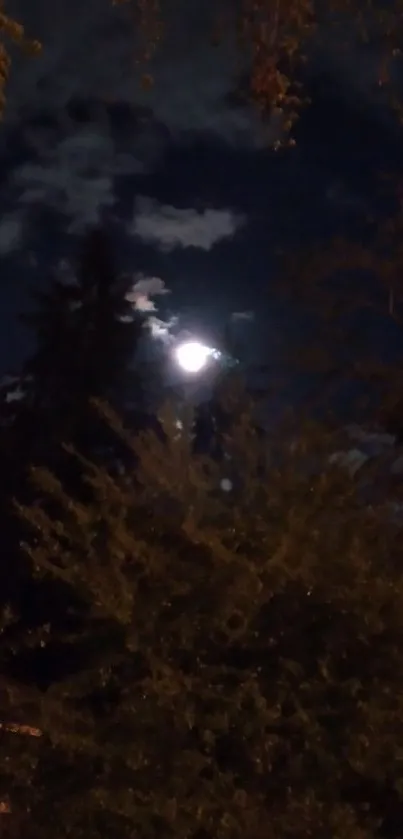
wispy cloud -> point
(11, 233)
(76, 177)
(144, 304)
(91, 53)
(236, 317)
(143, 289)
(169, 227)
(162, 329)
(140, 294)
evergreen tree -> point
(86, 335)
(235, 666)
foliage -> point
(353, 284)
(232, 664)
(277, 37)
(11, 31)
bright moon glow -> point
(192, 356)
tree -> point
(233, 663)
(86, 336)
(353, 286)
(13, 32)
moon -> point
(192, 356)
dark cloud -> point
(90, 51)
(11, 233)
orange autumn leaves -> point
(11, 32)
(275, 32)
(25, 730)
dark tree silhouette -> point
(86, 336)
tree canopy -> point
(352, 285)
(225, 664)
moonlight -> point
(192, 356)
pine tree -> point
(234, 668)
(86, 335)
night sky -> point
(182, 175)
